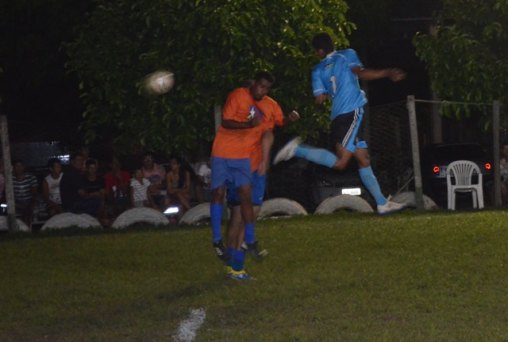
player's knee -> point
(341, 164)
(218, 195)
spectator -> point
(85, 152)
(503, 163)
(139, 190)
(51, 187)
(25, 192)
(203, 178)
(178, 182)
(156, 174)
(116, 183)
(71, 183)
(91, 194)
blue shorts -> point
(258, 186)
(234, 171)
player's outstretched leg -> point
(295, 148)
(288, 151)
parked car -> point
(310, 184)
(436, 157)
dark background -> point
(42, 101)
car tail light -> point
(436, 169)
(488, 166)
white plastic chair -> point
(459, 178)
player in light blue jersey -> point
(336, 78)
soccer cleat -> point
(288, 151)
(221, 251)
(238, 275)
(254, 251)
(390, 207)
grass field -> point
(348, 277)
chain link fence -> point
(387, 131)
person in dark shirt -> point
(71, 182)
(91, 192)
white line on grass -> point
(188, 328)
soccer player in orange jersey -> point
(260, 161)
(230, 161)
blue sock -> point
(216, 219)
(370, 182)
(237, 259)
(316, 155)
(230, 252)
(249, 233)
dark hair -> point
(264, 75)
(90, 161)
(323, 41)
(53, 161)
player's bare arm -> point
(232, 124)
(320, 99)
(393, 74)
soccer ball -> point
(159, 82)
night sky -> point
(42, 101)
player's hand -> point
(396, 74)
(293, 116)
(255, 121)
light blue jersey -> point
(333, 76)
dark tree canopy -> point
(211, 46)
(467, 58)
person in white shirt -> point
(51, 187)
(139, 190)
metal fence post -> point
(496, 151)
(415, 149)
(12, 224)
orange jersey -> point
(246, 142)
(236, 143)
(272, 116)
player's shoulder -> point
(350, 56)
(241, 91)
(270, 100)
(348, 51)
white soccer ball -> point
(159, 82)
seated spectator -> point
(25, 192)
(71, 182)
(156, 174)
(85, 153)
(116, 183)
(51, 187)
(203, 181)
(178, 182)
(91, 194)
(139, 190)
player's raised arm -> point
(393, 74)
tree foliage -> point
(211, 46)
(467, 58)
